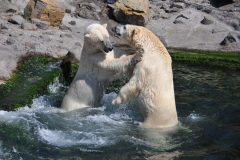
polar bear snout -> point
(118, 30)
(107, 46)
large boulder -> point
(45, 10)
(132, 12)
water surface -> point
(208, 109)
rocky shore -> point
(192, 24)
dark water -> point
(208, 105)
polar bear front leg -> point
(117, 64)
(128, 91)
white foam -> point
(103, 119)
(71, 138)
(3, 153)
(195, 117)
(55, 86)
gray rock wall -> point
(194, 24)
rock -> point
(40, 24)
(111, 1)
(227, 40)
(237, 4)
(180, 1)
(178, 5)
(200, 7)
(45, 38)
(207, 10)
(10, 41)
(165, 16)
(3, 25)
(60, 41)
(8, 62)
(91, 6)
(30, 45)
(64, 27)
(78, 44)
(89, 11)
(28, 26)
(180, 19)
(45, 10)
(16, 19)
(206, 21)
(156, 17)
(220, 3)
(132, 12)
(66, 66)
(165, 6)
(172, 10)
(20, 4)
(7, 7)
(89, 15)
(72, 22)
(68, 35)
(68, 11)
(50, 33)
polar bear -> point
(100, 63)
(152, 80)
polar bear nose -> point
(108, 46)
(116, 31)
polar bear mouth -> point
(107, 50)
(117, 31)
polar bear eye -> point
(124, 27)
(101, 41)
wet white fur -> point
(152, 80)
(95, 71)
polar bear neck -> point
(91, 50)
(147, 40)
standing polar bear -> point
(152, 80)
(99, 64)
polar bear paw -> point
(116, 101)
(138, 55)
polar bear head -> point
(127, 33)
(97, 36)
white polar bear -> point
(152, 80)
(99, 64)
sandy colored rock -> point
(132, 12)
(45, 10)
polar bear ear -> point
(134, 32)
(105, 25)
(88, 35)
